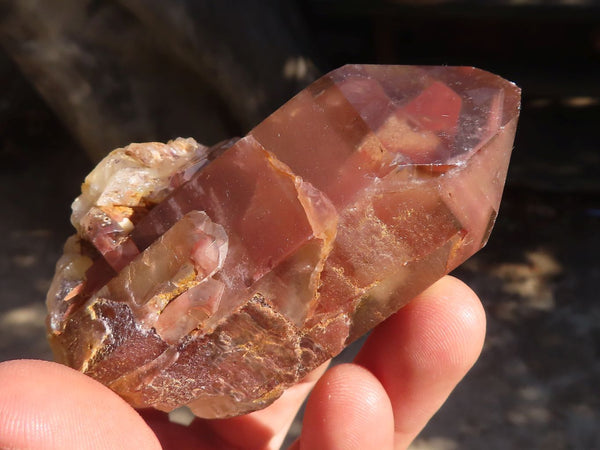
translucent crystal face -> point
(217, 285)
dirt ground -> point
(536, 384)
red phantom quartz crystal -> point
(248, 271)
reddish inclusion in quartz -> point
(337, 209)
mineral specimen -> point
(215, 278)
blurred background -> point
(81, 77)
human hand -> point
(403, 374)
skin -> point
(404, 373)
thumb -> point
(50, 406)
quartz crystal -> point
(217, 277)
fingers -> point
(347, 409)
(264, 429)
(410, 364)
(422, 352)
(267, 428)
(46, 405)
(173, 436)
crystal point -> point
(216, 278)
